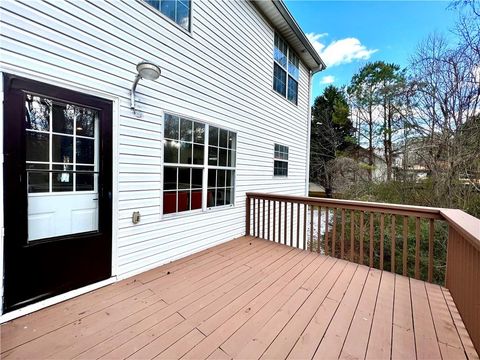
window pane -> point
(222, 157)
(212, 176)
(86, 122)
(223, 138)
(293, 65)
(280, 168)
(183, 201)
(220, 197)
(62, 149)
(185, 153)
(212, 155)
(85, 151)
(198, 154)
(231, 158)
(169, 178)
(183, 14)
(63, 118)
(279, 79)
(197, 178)
(220, 178)
(167, 7)
(213, 136)
(184, 178)
(186, 130)
(154, 3)
(85, 181)
(232, 140)
(170, 151)
(37, 113)
(199, 133)
(228, 196)
(37, 146)
(211, 197)
(169, 202)
(37, 181)
(171, 127)
(62, 181)
(196, 199)
(292, 90)
(280, 50)
(230, 178)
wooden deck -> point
(250, 299)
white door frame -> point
(115, 138)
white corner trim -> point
(309, 124)
(55, 300)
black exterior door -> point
(57, 190)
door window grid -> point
(40, 121)
(217, 164)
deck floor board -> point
(248, 299)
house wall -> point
(220, 73)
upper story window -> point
(191, 150)
(285, 70)
(280, 162)
(177, 10)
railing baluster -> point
(319, 230)
(431, 235)
(279, 222)
(334, 230)
(285, 225)
(298, 225)
(311, 228)
(258, 219)
(247, 216)
(352, 234)
(342, 237)
(392, 256)
(382, 238)
(326, 230)
(268, 220)
(362, 230)
(254, 222)
(417, 248)
(405, 245)
(263, 219)
(274, 217)
(291, 225)
(305, 206)
(370, 254)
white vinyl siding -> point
(205, 76)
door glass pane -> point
(63, 118)
(62, 178)
(38, 181)
(37, 113)
(37, 146)
(62, 163)
(62, 149)
(85, 151)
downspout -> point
(309, 119)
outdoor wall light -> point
(146, 70)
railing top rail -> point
(465, 224)
(368, 206)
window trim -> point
(205, 167)
(287, 73)
(165, 17)
(281, 160)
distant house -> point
(105, 177)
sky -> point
(347, 34)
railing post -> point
(247, 216)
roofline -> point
(282, 8)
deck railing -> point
(432, 244)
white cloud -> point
(328, 79)
(340, 51)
